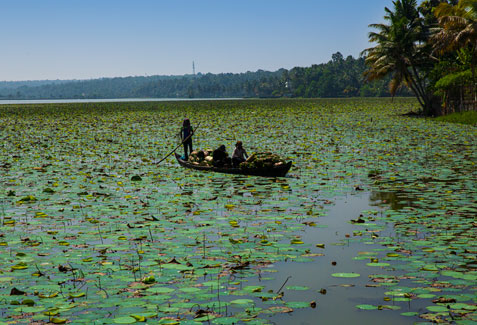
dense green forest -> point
(340, 77)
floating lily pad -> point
(437, 309)
(160, 290)
(297, 304)
(298, 288)
(410, 314)
(124, 320)
(242, 302)
(346, 275)
(366, 307)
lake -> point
(375, 222)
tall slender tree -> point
(401, 51)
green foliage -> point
(428, 48)
(339, 77)
(469, 117)
(401, 51)
(454, 79)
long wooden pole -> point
(182, 142)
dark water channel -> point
(337, 306)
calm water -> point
(337, 306)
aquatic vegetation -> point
(92, 229)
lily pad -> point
(366, 307)
(346, 275)
(124, 320)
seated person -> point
(221, 157)
(239, 154)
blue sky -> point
(83, 39)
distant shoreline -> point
(103, 100)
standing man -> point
(186, 137)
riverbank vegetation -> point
(431, 49)
(340, 77)
(469, 117)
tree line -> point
(340, 77)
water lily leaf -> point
(296, 242)
(28, 302)
(410, 313)
(35, 309)
(389, 307)
(226, 320)
(297, 304)
(20, 266)
(346, 275)
(205, 318)
(426, 296)
(190, 290)
(366, 307)
(437, 309)
(160, 290)
(299, 288)
(242, 302)
(138, 318)
(253, 288)
(430, 267)
(124, 320)
(463, 306)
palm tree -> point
(400, 51)
(458, 30)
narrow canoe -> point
(278, 171)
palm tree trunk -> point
(419, 92)
(472, 68)
(416, 92)
(419, 85)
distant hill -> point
(339, 77)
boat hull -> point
(279, 171)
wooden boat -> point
(279, 171)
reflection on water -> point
(396, 201)
(337, 306)
(248, 186)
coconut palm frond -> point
(395, 84)
(399, 43)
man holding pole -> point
(186, 137)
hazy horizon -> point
(152, 75)
(83, 40)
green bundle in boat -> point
(262, 160)
(201, 157)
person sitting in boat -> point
(186, 137)
(239, 155)
(221, 157)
